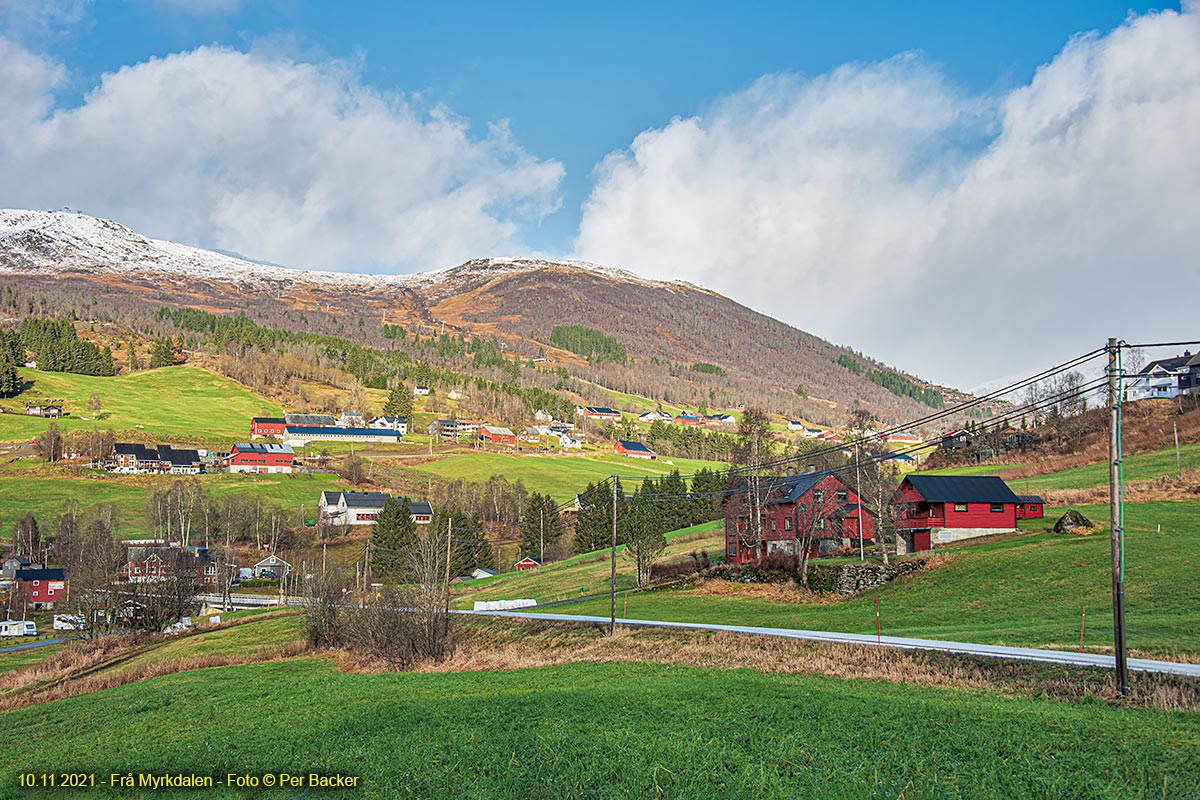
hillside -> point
(665, 327)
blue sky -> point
(881, 174)
(579, 80)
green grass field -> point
(589, 572)
(186, 402)
(45, 494)
(1025, 590)
(1139, 467)
(603, 731)
(560, 476)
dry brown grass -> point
(776, 592)
(95, 680)
(516, 644)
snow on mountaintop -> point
(56, 240)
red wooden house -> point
(938, 509)
(1030, 506)
(267, 426)
(818, 506)
(42, 587)
(689, 419)
(528, 562)
(497, 435)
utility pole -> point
(542, 531)
(1178, 462)
(858, 491)
(612, 622)
(1114, 503)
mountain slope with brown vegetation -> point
(666, 327)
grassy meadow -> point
(605, 730)
(185, 402)
(561, 476)
(1028, 589)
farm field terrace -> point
(29, 487)
(1023, 590)
(561, 476)
(606, 731)
(186, 402)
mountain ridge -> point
(667, 326)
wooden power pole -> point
(1114, 502)
(612, 592)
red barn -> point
(1030, 506)
(634, 449)
(528, 562)
(818, 506)
(266, 426)
(261, 458)
(938, 509)
(689, 419)
(42, 587)
(498, 435)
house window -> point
(787, 523)
(997, 508)
(821, 524)
(960, 507)
(818, 495)
(37, 583)
(773, 524)
(842, 496)
(731, 550)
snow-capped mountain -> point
(58, 240)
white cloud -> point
(292, 162)
(842, 204)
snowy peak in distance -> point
(42, 241)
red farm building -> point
(497, 435)
(528, 562)
(634, 449)
(1030, 506)
(933, 510)
(267, 426)
(42, 587)
(818, 507)
(261, 458)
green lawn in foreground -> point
(604, 731)
(178, 401)
(561, 476)
(1024, 590)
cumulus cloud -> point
(962, 237)
(292, 162)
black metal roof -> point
(962, 488)
(1031, 498)
(54, 574)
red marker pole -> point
(878, 623)
(1082, 625)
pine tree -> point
(10, 379)
(106, 361)
(386, 548)
(593, 523)
(541, 525)
(162, 354)
(399, 402)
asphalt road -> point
(967, 648)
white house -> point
(272, 567)
(398, 424)
(420, 391)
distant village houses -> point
(364, 508)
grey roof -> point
(417, 508)
(259, 447)
(962, 488)
(272, 420)
(1031, 498)
(365, 499)
(334, 430)
(635, 447)
(139, 451)
(319, 420)
(178, 457)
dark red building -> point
(939, 509)
(819, 506)
(1030, 506)
(42, 587)
(267, 426)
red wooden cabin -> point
(938, 509)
